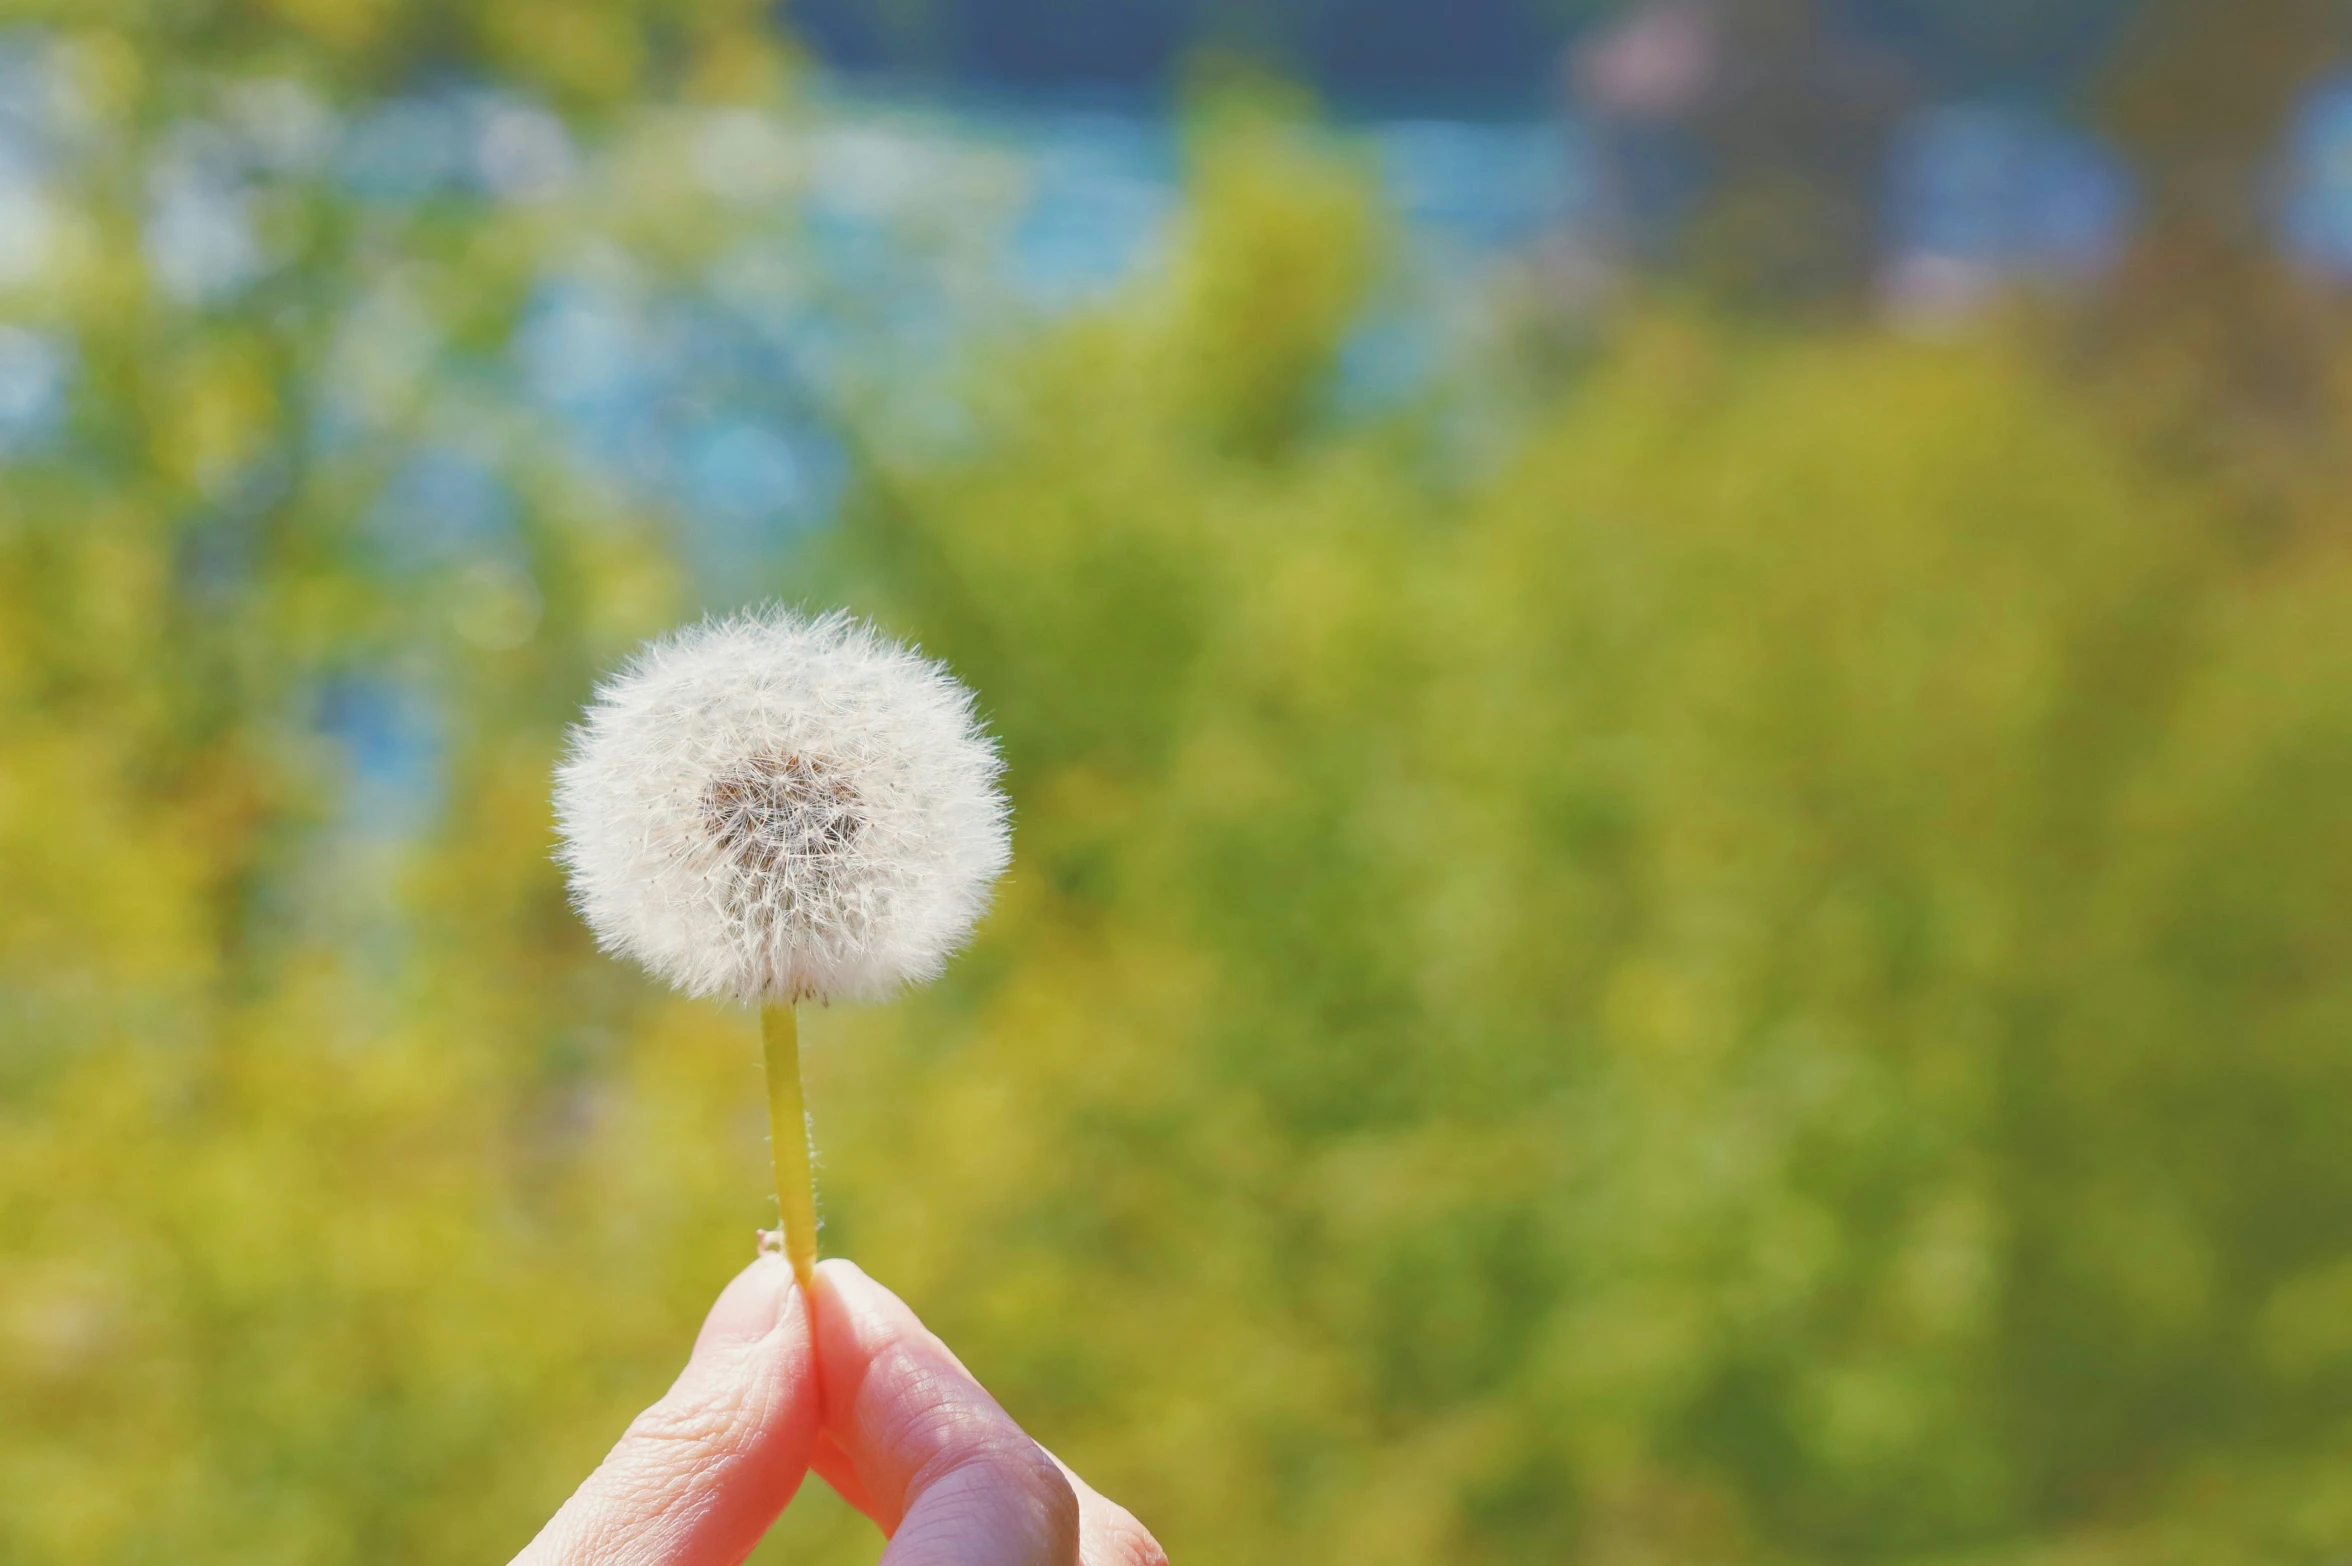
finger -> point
(830, 1463)
(939, 1465)
(701, 1474)
(1108, 1534)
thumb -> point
(700, 1475)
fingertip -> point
(755, 1302)
(846, 1284)
(858, 1319)
(1108, 1533)
(851, 1326)
(701, 1474)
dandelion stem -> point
(788, 1137)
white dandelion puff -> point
(782, 809)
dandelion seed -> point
(781, 810)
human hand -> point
(876, 1405)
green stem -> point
(788, 1137)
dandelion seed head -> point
(782, 809)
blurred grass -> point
(1756, 971)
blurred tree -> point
(302, 1209)
(1684, 984)
(1779, 115)
(1498, 49)
(603, 53)
(2227, 355)
(1741, 960)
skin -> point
(873, 1404)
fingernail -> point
(748, 1308)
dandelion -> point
(782, 810)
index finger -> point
(916, 1443)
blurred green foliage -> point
(1740, 957)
